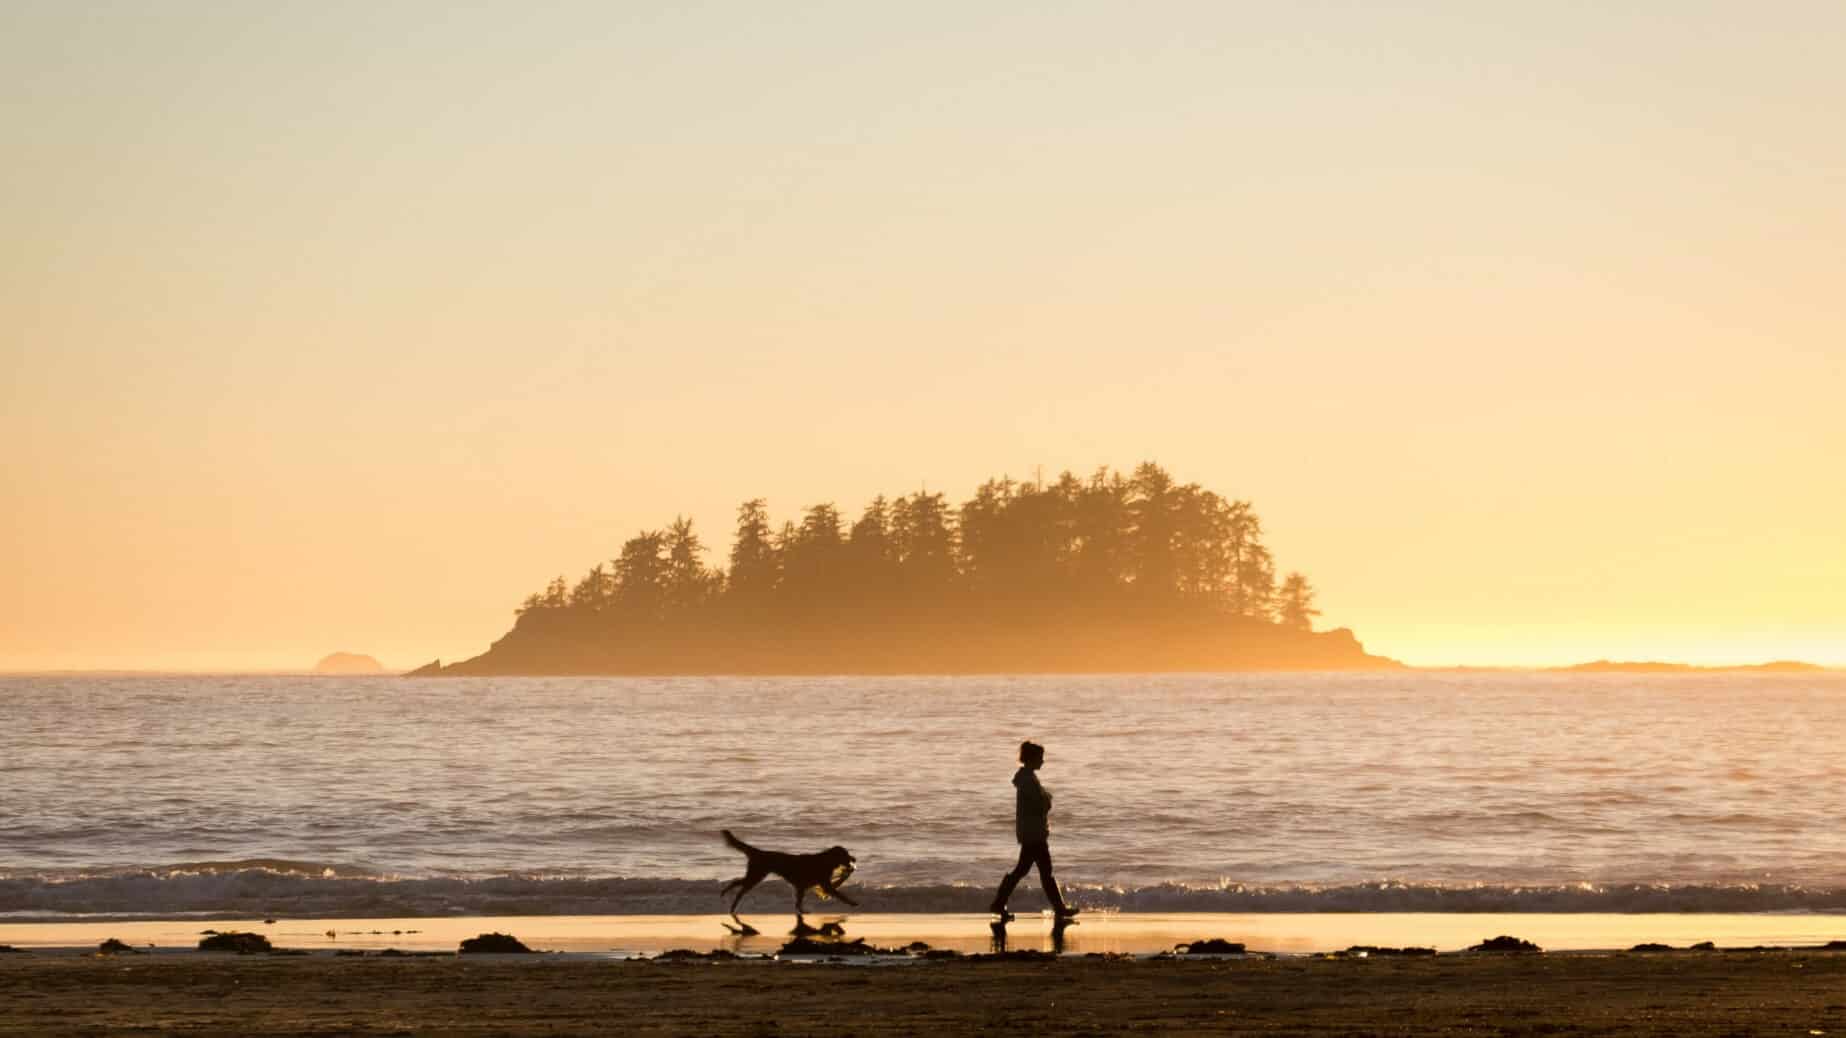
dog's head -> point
(840, 863)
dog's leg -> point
(833, 891)
(800, 893)
(744, 885)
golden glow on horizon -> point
(1487, 651)
(345, 330)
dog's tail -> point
(736, 843)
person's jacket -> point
(1032, 821)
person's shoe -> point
(1065, 911)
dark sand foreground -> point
(1792, 993)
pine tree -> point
(1295, 603)
(686, 579)
(641, 572)
(755, 563)
(557, 593)
(594, 591)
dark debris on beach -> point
(855, 947)
(1210, 946)
(688, 955)
(1372, 951)
(1504, 943)
(236, 941)
(494, 944)
(859, 948)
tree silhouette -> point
(557, 593)
(641, 573)
(1102, 562)
(686, 582)
(755, 564)
(594, 591)
(871, 554)
(1295, 603)
(1154, 512)
(925, 543)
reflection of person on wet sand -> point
(1032, 824)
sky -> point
(344, 326)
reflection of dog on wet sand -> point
(824, 871)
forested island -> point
(1105, 573)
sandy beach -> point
(1110, 933)
(1800, 993)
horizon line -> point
(388, 672)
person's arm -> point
(1037, 801)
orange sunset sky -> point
(344, 326)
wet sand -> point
(1799, 993)
(1107, 932)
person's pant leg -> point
(1027, 856)
(1041, 856)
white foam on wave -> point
(260, 887)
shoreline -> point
(1105, 933)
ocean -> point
(1385, 792)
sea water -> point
(1241, 793)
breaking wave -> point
(279, 888)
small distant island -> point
(1098, 574)
(349, 663)
(1657, 667)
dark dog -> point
(824, 871)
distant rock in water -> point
(429, 670)
(1659, 667)
(349, 663)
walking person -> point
(1032, 825)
